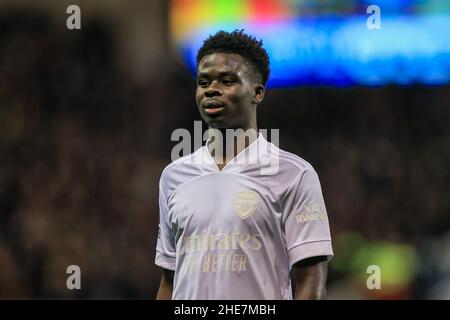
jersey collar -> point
(251, 155)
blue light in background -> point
(342, 51)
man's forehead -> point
(223, 62)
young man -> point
(229, 229)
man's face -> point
(227, 94)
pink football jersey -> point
(235, 233)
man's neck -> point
(227, 145)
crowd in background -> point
(82, 146)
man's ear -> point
(259, 91)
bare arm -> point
(309, 277)
(166, 285)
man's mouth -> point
(212, 107)
(213, 110)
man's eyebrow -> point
(227, 73)
(221, 74)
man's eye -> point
(202, 83)
(227, 82)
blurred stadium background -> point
(86, 117)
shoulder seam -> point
(293, 159)
(180, 160)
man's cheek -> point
(235, 97)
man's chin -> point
(215, 122)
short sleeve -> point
(305, 220)
(165, 245)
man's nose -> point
(213, 90)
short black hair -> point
(240, 43)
